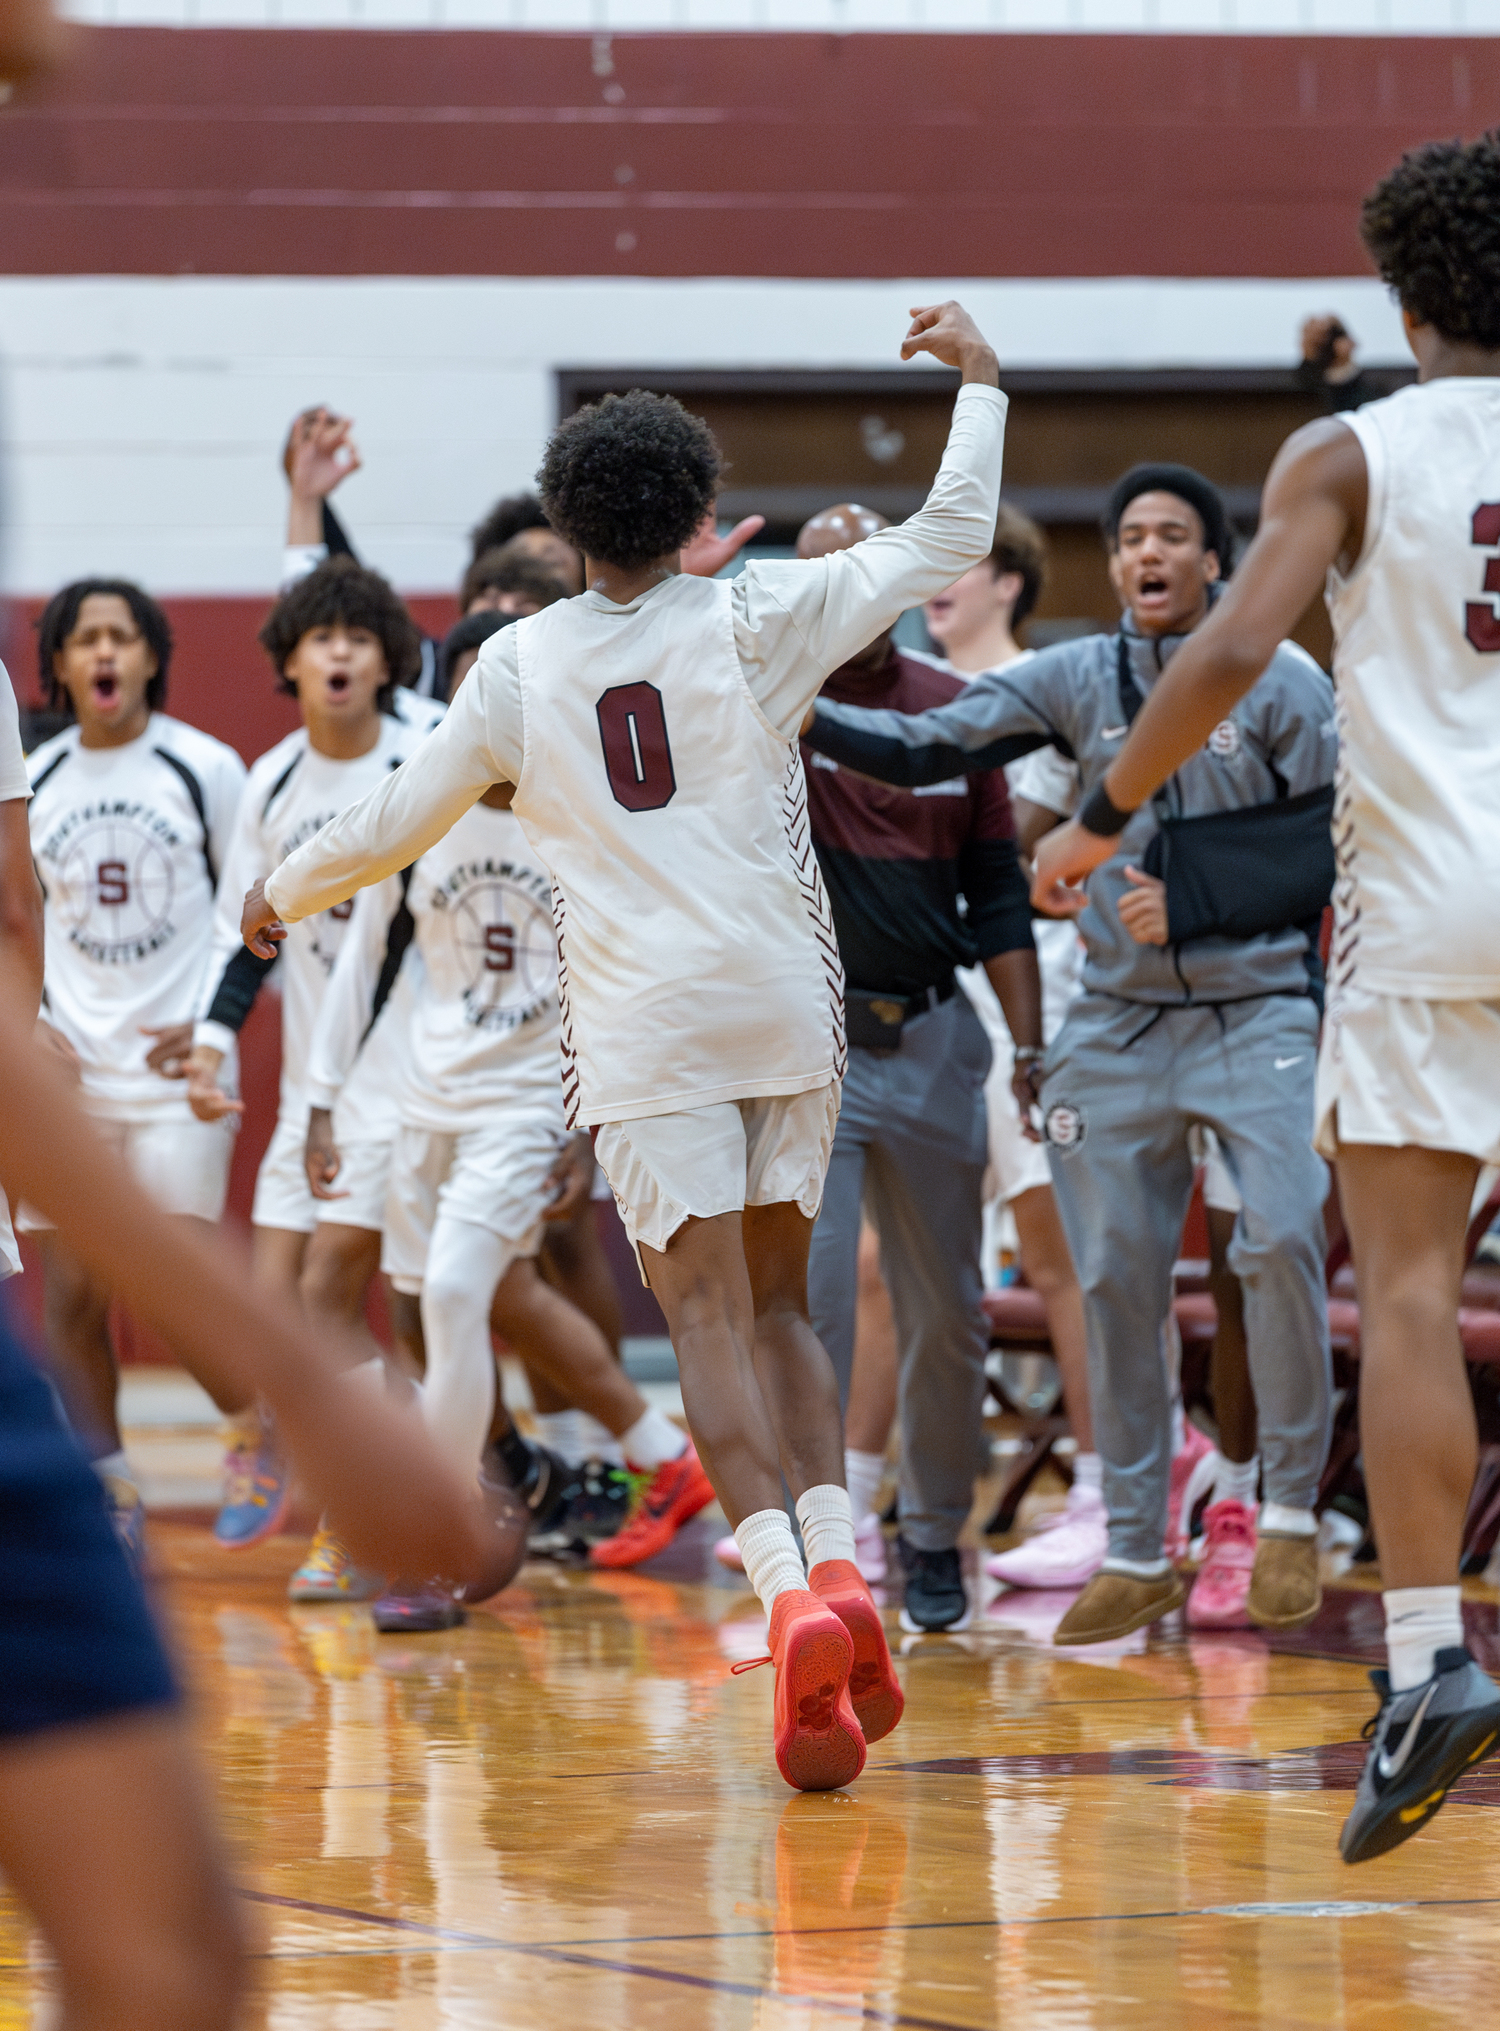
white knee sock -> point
(464, 1265)
(772, 1563)
(1088, 1472)
(599, 1442)
(1419, 1622)
(863, 1474)
(1236, 1480)
(1278, 1520)
(561, 1432)
(827, 1519)
(652, 1440)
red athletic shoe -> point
(874, 1689)
(676, 1491)
(819, 1746)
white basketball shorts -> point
(183, 1164)
(1393, 1070)
(1020, 1165)
(669, 1168)
(283, 1197)
(493, 1177)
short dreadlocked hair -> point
(630, 478)
(344, 591)
(1433, 230)
(59, 617)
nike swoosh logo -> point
(1285, 1064)
(1392, 1766)
(1111, 732)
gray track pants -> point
(1117, 1115)
(911, 1145)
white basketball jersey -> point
(697, 956)
(1417, 667)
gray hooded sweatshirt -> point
(1279, 741)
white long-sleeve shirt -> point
(654, 750)
(129, 843)
(483, 1030)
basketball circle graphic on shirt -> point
(116, 890)
(1064, 1126)
(510, 947)
(1224, 741)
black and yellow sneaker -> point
(1421, 1742)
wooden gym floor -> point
(566, 1815)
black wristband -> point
(1097, 814)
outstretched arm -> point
(1312, 517)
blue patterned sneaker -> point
(328, 1573)
(257, 1489)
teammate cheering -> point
(650, 727)
(341, 641)
(131, 818)
(1397, 506)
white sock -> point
(1179, 1427)
(773, 1564)
(599, 1442)
(863, 1474)
(827, 1519)
(1276, 1520)
(1138, 1569)
(115, 1466)
(1419, 1622)
(1237, 1480)
(561, 1432)
(1088, 1472)
(653, 1440)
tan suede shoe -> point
(1285, 1590)
(1112, 1604)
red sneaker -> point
(819, 1746)
(874, 1689)
(676, 1491)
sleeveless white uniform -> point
(654, 749)
(481, 1106)
(1411, 1045)
(293, 791)
(128, 843)
(15, 787)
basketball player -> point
(339, 639)
(1217, 1028)
(131, 818)
(482, 1126)
(974, 625)
(650, 728)
(1398, 506)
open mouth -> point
(1153, 587)
(106, 690)
(338, 687)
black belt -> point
(874, 1020)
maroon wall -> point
(318, 152)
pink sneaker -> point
(1066, 1552)
(728, 1553)
(1223, 1583)
(869, 1549)
(1183, 1490)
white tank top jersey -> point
(654, 750)
(15, 787)
(292, 792)
(483, 1029)
(1417, 671)
(129, 843)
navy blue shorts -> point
(77, 1641)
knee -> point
(332, 1282)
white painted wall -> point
(143, 416)
(1197, 17)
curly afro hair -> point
(59, 617)
(506, 519)
(630, 479)
(1433, 230)
(342, 590)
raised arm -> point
(994, 720)
(1312, 517)
(398, 820)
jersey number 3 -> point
(637, 753)
(1481, 620)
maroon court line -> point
(857, 2013)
